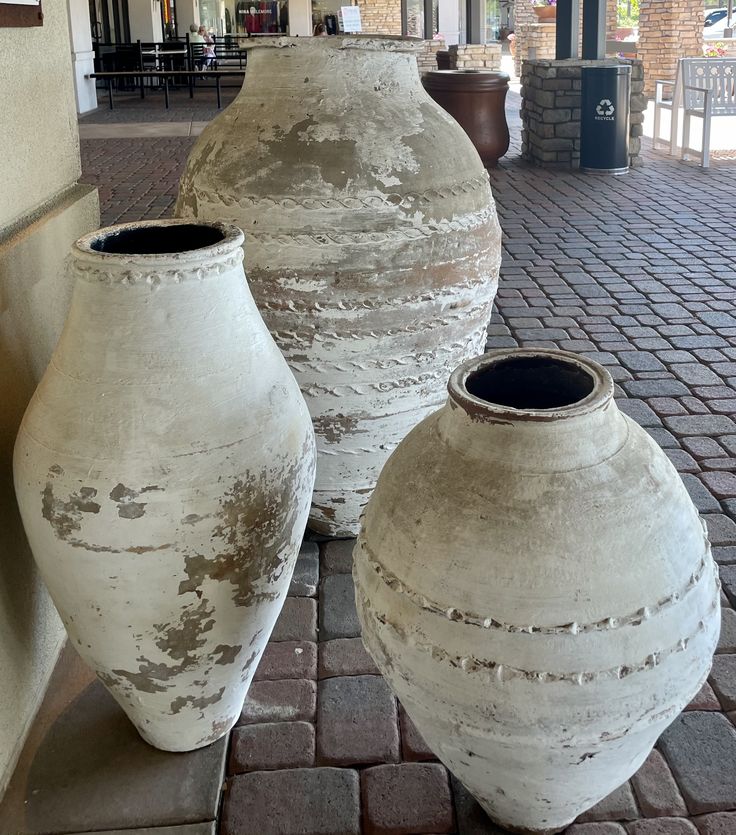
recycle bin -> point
(604, 119)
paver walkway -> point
(636, 272)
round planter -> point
(476, 99)
(164, 470)
(536, 585)
(373, 261)
(546, 13)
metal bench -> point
(703, 87)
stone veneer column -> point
(380, 17)
(550, 111)
(668, 30)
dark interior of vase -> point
(532, 383)
(159, 240)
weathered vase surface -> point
(372, 243)
(536, 585)
(164, 471)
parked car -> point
(715, 23)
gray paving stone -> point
(728, 582)
(305, 580)
(640, 361)
(721, 529)
(639, 411)
(413, 746)
(298, 801)
(297, 621)
(93, 772)
(727, 640)
(662, 826)
(338, 616)
(345, 657)
(725, 554)
(718, 823)
(695, 374)
(697, 747)
(723, 680)
(337, 556)
(357, 721)
(598, 828)
(655, 388)
(187, 829)
(702, 497)
(700, 424)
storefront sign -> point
(351, 19)
(21, 13)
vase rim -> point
(591, 388)
(207, 242)
(368, 43)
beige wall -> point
(42, 211)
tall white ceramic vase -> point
(164, 471)
(372, 242)
(536, 585)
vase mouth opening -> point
(528, 384)
(157, 242)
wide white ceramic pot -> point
(536, 585)
(372, 243)
(164, 471)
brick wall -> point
(427, 58)
(550, 111)
(668, 30)
(475, 56)
(380, 17)
(533, 41)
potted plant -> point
(545, 9)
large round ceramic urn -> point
(371, 241)
(164, 471)
(536, 585)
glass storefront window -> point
(492, 20)
(250, 17)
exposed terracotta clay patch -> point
(65, 516)
(196, 701)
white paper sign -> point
(20, 2)
(351, 19)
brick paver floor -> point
(636, 272)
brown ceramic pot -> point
(476, 99)
(545, 12)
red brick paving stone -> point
(297, 621)
(406, 799)
(719, 823)
(619, 805)
(470, 817)
(662, 826)
(299, 801)
(599, 828)
(721, 529)
(700, 748)
(287, 659)
(728, 580)
(357, 722)
(722, 485)
(723, 681)
(727, 639)
(705, 699)
(337, 556)
(655, 789)
(683, 461)
(345, 657)
(700, 424)
(703, 447)
(413, 746)
(279, 701)
(270, 746)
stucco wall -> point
(42, 211)
(39, 143)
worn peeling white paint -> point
(164, 470)
(539, 592)
(372, 242)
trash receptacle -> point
(604, 119)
